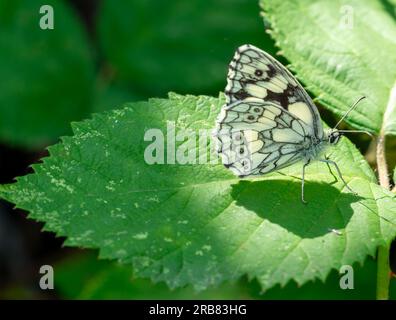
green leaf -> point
(46, 74)
(198, 224)
(391, 4)
(351, 53)
(185, 45)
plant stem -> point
(381, 162)
(383, 269)
(383, 272)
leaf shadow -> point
(279, 201)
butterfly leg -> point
(339, 173)
(331, 171)
(302, 182)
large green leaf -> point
(198, 224)
(46, 74)
(185, 46)
(341, 50)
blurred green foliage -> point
(47, 75)
(139, 49)
(84, 277)
(182, 46)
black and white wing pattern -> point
(268, 119)
(258, 137)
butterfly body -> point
(314, 148)
(269, 121)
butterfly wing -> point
(255, 76)
(256, 137)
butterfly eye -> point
(258, 72)
(241, 150)
(333, 138)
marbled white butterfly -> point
(269, 121)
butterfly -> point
(269, 121)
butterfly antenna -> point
(360, 131)
(350, 109)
